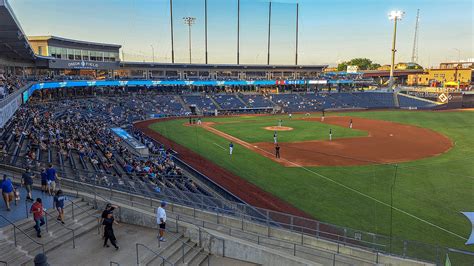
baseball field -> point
(419, 162)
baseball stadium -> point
(245, 161)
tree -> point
(361, 63)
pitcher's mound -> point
(276, 128)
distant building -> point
(68, 49)
(457, 72)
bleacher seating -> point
(256, 101)
(228, 101)
(202, 102)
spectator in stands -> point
(7, 191)
(51, 174)
(27, 181)
(38, 215)
(44, 181)
(161, 220)
(58, 203)
(108, 223)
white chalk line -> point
(219, 146)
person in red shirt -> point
(38, 215)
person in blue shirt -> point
(44, 181)
(58, 203)
(7, 191)
(51, 179)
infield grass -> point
(428, 194)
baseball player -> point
(280, 122)
(231, 148)
(290, 115)
(275, 137)
(350, 124)
(322, 116)
(277, 151)
(199, 122)
(330, 134)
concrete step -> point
(66, 237)
(201, 259)
(27, 226)
(169, 251)
(60, 232)
(149, 256)
(179, 256)
(190, 256)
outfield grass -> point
(429, 194)
(254, 130)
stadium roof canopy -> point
(13, 42)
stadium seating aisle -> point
(409, 102)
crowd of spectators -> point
(10, 83)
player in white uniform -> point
(275, 137)
(231, 148)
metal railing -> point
(269, 218)
(15, 228)
(114, 263)
(88, 211)
(63, 226)
(163, 260)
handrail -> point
(23, 232)
(230, 228)
(95, 215)
(114, 263)
(4, 262)
(137, 245)
(316, 232)
(65, 227)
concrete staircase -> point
(215, 103)
(181, 101)
(241, 100)
(178, 250)
(53, 236)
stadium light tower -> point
(189, 21)
(153, 52)
(394, 15)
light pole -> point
(189, 21)
(459, 54)
(153, 52)
(394, 15)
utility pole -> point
(205, 29)
(297, 24)
(153, 52)
(172, 31)
(414, 53)
(269, 30)
(189, 21)
(238, 32)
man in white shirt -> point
(161, 220)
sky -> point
(330, 31)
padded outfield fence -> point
(267, 218)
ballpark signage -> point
(72, 64)
(157, 83)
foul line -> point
(219, 146)
(342, 185)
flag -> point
(448, 262)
